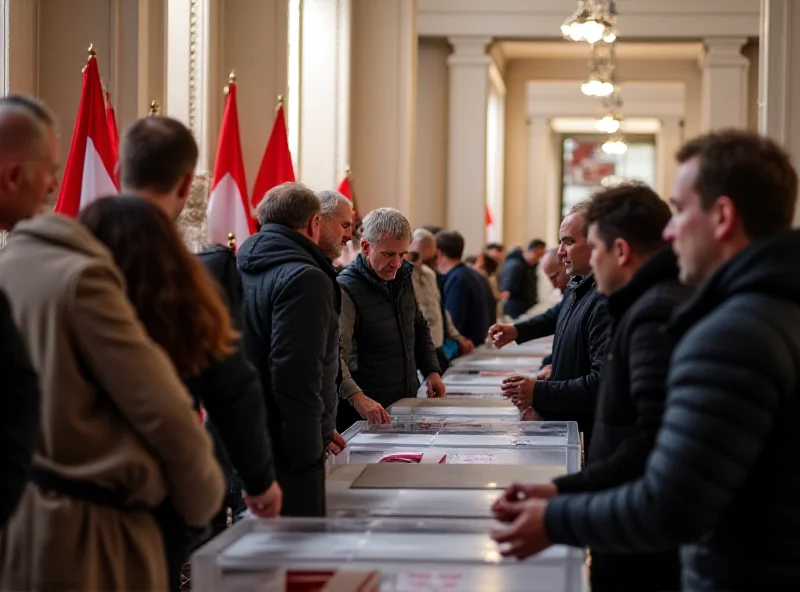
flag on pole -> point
(276, 166)
(89, 172)
(346, 188)
(113, 134)
(228, 210)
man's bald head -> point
(28, 158)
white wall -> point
(430, 187)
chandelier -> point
(602, 67)
(592, 21)
(615, 146)
(609, 124)
(612, 104)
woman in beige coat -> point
(116, 420)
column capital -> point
(469, 51)
(723, 51)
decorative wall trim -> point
(192, 221)
(194, 9)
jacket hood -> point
(769, 267)
(62, 231)
(516, 255)
(276, 245)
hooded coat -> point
(291, 305)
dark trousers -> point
(303, 491)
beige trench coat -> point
(114, 412)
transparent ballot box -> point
(463, 441)
(469, 379)
(536, 349)
(461, 391)
(473, 363)
(435, 468)
(457, 406)
(376, 554)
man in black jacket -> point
(385, 338)
(580, 324)
(520, 278)
(158, 156)
(291, 333)
(640, 276)
(723, 479)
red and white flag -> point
(276, 165)
(346, 189)
(113, 134)
(89, 172)
(228, 210)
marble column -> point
(779, 77)
(383, 103)
(724, 83)
(324, 101)
(466, 163)
(668, 141)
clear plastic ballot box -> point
(376, 555)
(489, 364)
(435, 468)
(535, 349)
(489, 403)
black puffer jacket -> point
(724, 477)
(521, 281)
(390, 338)
(291, 334)
(629, 410)
(580, 325)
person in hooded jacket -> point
(520, 278)
(291, 334)
(723, 480)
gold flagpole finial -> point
(232, 77)
(231, 240)
(154, 108)
(280, 102)
(92, 51)
(348, 172)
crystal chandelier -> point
(615, 146)
(601, 72)
(592, 21)
(609, 124)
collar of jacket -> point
(403, 274)
(61, 230)
(658, 268)
(769, 266)
(581, 285)
(306, 244)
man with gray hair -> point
(385, 338)
(336, 228)
(291, 333)
(446, 338)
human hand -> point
(545, 373)
(522, 491)
(436, 389)
(526, 535)
(500, 335)
(337, 444)
(465, 345)
(267, 504)
(519, 389)
(370, 410)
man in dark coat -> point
(158, 156)
(722, 480)
(520, 278)
(639, 274)
(466, 293)
(580, 324)
(385, 338)
(291, 334)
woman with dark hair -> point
(182, 309)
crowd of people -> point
(151, 394)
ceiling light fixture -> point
(592, 21)
(615, 146)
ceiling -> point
(629, 50)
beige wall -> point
(430, 188)
(519, 72)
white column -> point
(779, 77)
(542, 212)
(324, 93)
(724, 83)
(20, 46)
(466, 162)
(383, 104)
(668, 141)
